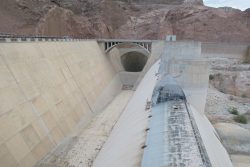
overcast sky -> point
(239, 4)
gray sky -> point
(239, 4)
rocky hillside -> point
(146, 19)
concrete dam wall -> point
(47, 90)
(86, 103)
(130, 144)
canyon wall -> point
(128, 19)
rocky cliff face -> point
(188, 19)
(166, 2)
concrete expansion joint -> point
(79, 87)
(34, 110)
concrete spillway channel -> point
(172, 138)
(63, 103)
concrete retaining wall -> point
(217, 154)
(224, 50)
(183, 60)
(48, 89)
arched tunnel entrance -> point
(133, 61)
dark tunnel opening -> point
(134, 61)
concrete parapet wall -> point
(183, 50)
(217, 154)
(48, 89)
(224, 50)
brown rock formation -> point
(188, 19)
(233, 81)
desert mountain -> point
(140, 19)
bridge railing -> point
(33, 38)
(109, 44)
(36, 38)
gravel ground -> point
(218, 104)
(81, 150)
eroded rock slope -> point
(188, 19)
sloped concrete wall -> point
(48, 89)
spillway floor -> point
(171, 140)
(82, 151)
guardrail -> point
(21, 38)
(33, 38)
(40, 38)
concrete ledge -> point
(216, 152)
(123, 147)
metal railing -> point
(5, 37)
(37, 38)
